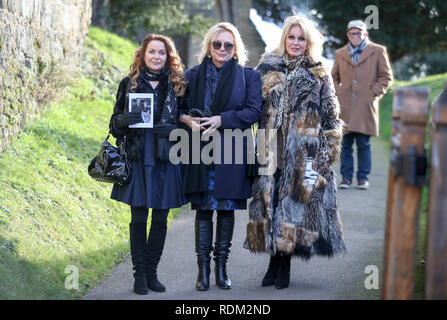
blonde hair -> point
(239, 47)
(310, 33)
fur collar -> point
(271, 61)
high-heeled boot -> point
(154, 250)
(137, 250)
(283, 276)
(203, 243)
(272, 270)
(224, 235)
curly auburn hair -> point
(173, 62)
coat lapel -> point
(346, 56)
(365, 54)
(238, 92)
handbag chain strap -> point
(123, 144)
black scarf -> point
(154, 76)
(223, 90)
(167, 108)
(195, 180)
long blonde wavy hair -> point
(173, 62)
(310, 32)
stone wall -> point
(36, 38)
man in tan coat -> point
(362, 75)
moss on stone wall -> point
(39, 43)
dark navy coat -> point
(154, 184)
(243, 110)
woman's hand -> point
(192, 122)
(128, 118)
(213, 122)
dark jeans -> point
(363, 156)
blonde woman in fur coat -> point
(293, 211)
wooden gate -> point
(407, 175)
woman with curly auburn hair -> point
(173, 63)
(293, 211)
(155, 182)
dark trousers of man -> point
(363, 156)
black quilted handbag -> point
(111, 163)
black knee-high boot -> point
(272, 271)
(137, 250)
(224, 235)
(283, 277)
(204, 245)
(154, 250)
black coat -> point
(134, 144)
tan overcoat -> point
(359, 87)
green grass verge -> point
(119, 51)
(52, 214)
(436, 84)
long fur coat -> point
(306, 220)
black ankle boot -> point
(154, 250)
(224, 234)
(137, 250)
(283, 276)
(204, 240)
(272, 271)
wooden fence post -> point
(395, 144)
(436, 267)
(409, 175)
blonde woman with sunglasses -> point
(222, 94)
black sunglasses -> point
(228, 46)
